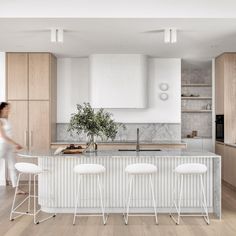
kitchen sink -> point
(140, 150)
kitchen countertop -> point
(198, 137)
(227, 144)
(114, 153)
(161, 142)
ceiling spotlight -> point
(170, 35)
(57, 35)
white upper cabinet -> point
(118, 81)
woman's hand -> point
(18, 147)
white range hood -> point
(118, 81)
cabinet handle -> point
(26, 139)
(31, 138)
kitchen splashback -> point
(148, 132)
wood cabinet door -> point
(227, 166)
(17, 76)
(18, 118)
(39, 125)
(219, 85)
(39, 74)
(233, 165)
(230, 165)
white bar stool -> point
(134, 170)
(30, 169)
(90, 169)
(182, 171)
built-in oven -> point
(220, 128)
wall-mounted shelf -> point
(196, 111)
(196, 98)
(196, 85)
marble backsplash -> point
(201, 122)
(148, 132)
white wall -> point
(73, 83)
(72, 86)
(2, 77)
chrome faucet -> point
(137, 143)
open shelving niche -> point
(196, 98)
(196, 77)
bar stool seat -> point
(30, 169)
(141, 168)
(89, 169)
(191, 168)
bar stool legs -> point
(128, 200)
(77, 200)
(153, 198)
(104, 216)
(102, 206)
(177, 206)
(204, 204)
(34, 196)
(13, 208)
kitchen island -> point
(58, 185)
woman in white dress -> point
(7, 145)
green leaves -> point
(93, 123)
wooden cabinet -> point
(19, 121)
(225, 74)
(17, 76)
(33, 113)
(230, 165)
(39, 125)
(219, 85)
(230, 98)
(228, 162)
(28, 76)
(39, 76)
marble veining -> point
(148, 132)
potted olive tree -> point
(94, 124)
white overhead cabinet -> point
(118, 81)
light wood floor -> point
(138, 226)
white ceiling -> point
(119, 8)
(197, 38)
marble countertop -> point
(227, 144)
(115, 153)
(161, 142)
(230, 144)
(198, 137)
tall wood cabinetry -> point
(225, 104)
(225, 74)
(31, 91)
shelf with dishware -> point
(196, 111)
(195, 98)
(196, 85)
